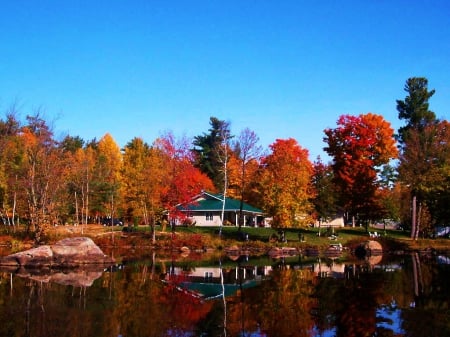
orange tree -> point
(286, 184)
(359, 146)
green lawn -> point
(292, 235)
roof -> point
(214, 202)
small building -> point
(336, 221)
(205, 209)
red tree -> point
(360, 145)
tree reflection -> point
(294, 301)
(429, 312)
(278, 307)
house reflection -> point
(206, 282)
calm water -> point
(403, 296)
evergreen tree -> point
(208, 150)
(414, 109)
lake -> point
(406, 295)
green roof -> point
(213, 202)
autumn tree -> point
(12, 156)
(359, 146)
(183, 180)
(243, 164)
(135, 156)
(106, 182)
(286, 184)
(79, 182)
(41, 173)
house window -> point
(209, 216)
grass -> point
(292, 235)
(258, 238)
(347, 236)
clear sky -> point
(281, 68)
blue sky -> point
(281, 68)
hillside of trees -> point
(375, 172)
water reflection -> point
(296, 296)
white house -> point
(206, 210)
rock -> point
(76, 251)
(68, 252)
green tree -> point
(325, 202)
(416, 142)
(208, 150)
(425, 169)
(414, 109)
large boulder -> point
(70, 252)
(76, 251)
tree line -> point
(375, 172)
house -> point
(213, 282)
(205, 209)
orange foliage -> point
(286, 184)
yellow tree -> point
(79, 181)
(286, 184)
(107, 179)
(142, 175)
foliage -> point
(286, 184)
(325, 199)
(243, 166)
(414, 109)
(107, 182)
(183, 180)
(424, 161)
(360, 146)
(41, 174)
(425, 166)
(207, 151)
